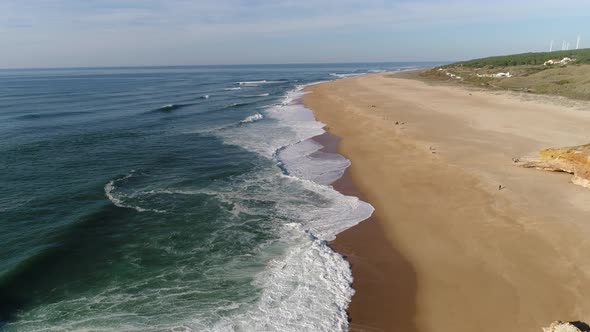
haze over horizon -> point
(66, 33)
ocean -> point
(171, 199)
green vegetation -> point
(563, 82)
(582, 57)
(527, 73)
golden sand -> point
(444, 241)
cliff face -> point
(574, 160)
(560, 326)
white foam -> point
(346, 75)
(331, 214)
(296, 123)
(259, 95)
(251, 82)
(309, 287)
(256, 83)
(117, 199)
(232, 89)
(304, 160)
(289, 143)
(326, 215)
(252, 118)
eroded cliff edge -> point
(574, 160)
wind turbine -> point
(551, 46)
(578, 42)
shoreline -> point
(429, 159)
(368, 262)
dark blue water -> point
(178, 199)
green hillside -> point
(526, 73)
(582, 56)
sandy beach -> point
(446, 250)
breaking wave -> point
(257, 83)
(310, 283)
(259, 95)
(346, 75)
(252, 118)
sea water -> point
(171, 199)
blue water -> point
(170, 199)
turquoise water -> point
(170, 199)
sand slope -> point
(484, 259)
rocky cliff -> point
(560, 326)
(574, 160)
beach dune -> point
(461, 239)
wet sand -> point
(373, 263)
(446, 250)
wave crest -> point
(252, 118)
(259, 95)
(257, 83)
(170, 107)
(346, 75)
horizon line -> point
(223, 65)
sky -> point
(81, 33)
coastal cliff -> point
(559, 326)
(574, 160)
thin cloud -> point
(259, 12)
(95, 32)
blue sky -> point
(74, 33)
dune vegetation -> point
(524, 73)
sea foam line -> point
(313, 283)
